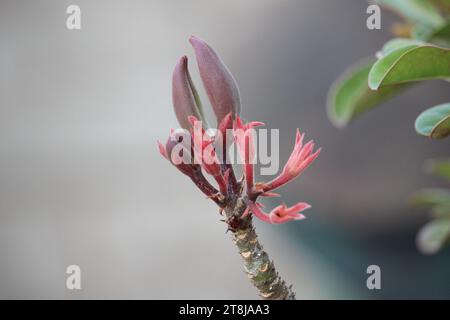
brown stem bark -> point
(257, 264)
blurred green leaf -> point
(440, 212)
(433, 236)
(437, 200)
(421, 32)
(350, 95)
(434, 122)
(410, 63)
(416, 11)
(442, 5)
(395, 44)
(440, 36)
(439, 167)
(431, 197)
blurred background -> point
(81, 181)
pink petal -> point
(298, 207)
(259, 213)
(246, 212)
(226, 123)
(280, 220)
(269, 194)
(162, 150)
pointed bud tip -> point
(180, 68)
(194, 39)
(183, 59)
(198, 43)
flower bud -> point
(186, 101)
(219, 83)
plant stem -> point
(257, 264)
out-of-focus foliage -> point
(400, 61)
(416, 11)
(410, 63)
(435, 234)
(434, 122)
(440, 168)
(351, 95)
(424, 55)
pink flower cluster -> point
(223, 94)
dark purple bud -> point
(186, 101)
(219, 83)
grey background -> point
(81, 181)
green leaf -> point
(442, 5)
(350, 95)
(433, 236)
(422, 32)
(379, 69)
(434, 122)
(431, 197)
(395, 44)
(410, 63)
(438, 200)
(440, 212)
(416, 11)
(439, 167)
(440, 36)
